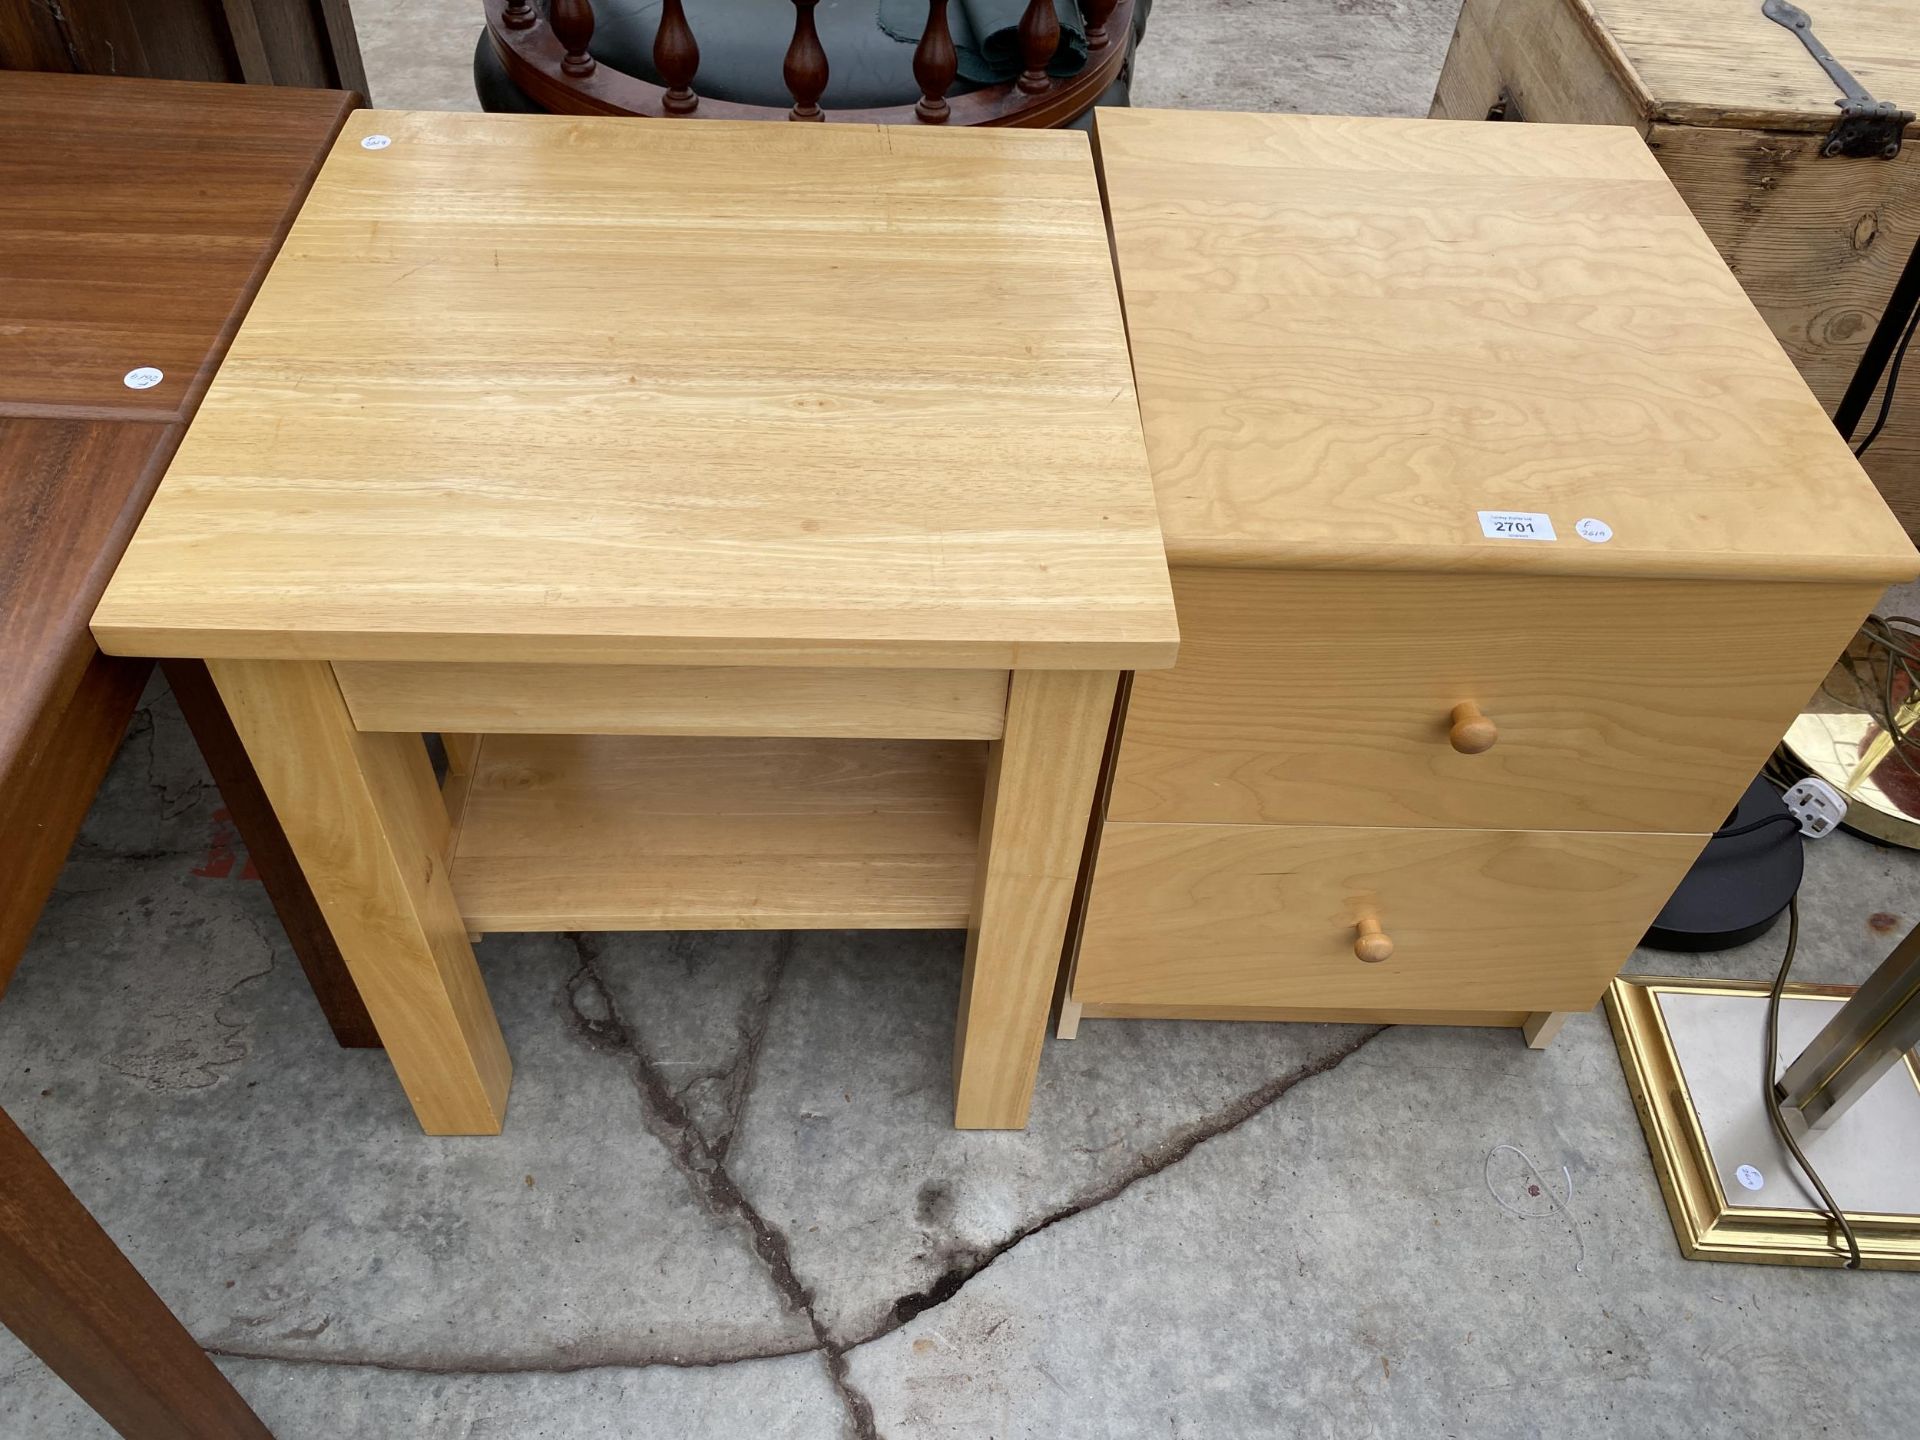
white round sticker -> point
(1598, 531)
(1749, 1177)
(376, 142)
(145, 378)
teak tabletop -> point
(544, 389)
(136, 218)
(769, 500)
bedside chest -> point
(1505, 543)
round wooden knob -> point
(1374, 945)
(1472, 732)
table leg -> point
(1041, 781)
(463, 752)
(1542, 1026)
(78, 1303)
(365, 820)
(46, 785)
(272, 856)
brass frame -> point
(1707, 1226)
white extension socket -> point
(1816, 805)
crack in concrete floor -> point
(1148, 1163)
(696, 1113)
(595, 1022)
(171, 801)
(738, 1077)
(175, 1064)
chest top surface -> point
(1354, 336)
(1723, 62)
(547, 388)
(135, 215)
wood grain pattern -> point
(1321, 698)
(770, 478)
(676, 700)
(1816, 243)
(1723, 62)
(1547, 60)
(1353, 336)
(364, 817)
(69, 1294)
(263, 42)
(115, 230)
(463, 750)
(71, 492)
(1819, 245)
(135, 218)
(1264, 915)
(123, 224)
(1040, 787)
(632, 833)
(174, 39)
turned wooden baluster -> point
(518, 14)
(676, 55)
(1039, 38)
(806, 67)
(572, 24)
(1097, 12)
(934, 65)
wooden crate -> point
(1738, 112)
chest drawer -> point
(1322, 697)
(1228, 915)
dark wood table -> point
(136, 220)
(261, 42)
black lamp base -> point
(1740, 886)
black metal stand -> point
(1880, 347)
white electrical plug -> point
(1816, 805)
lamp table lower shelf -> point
(727, 820)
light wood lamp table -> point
(760, 512)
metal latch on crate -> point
(1867, 126)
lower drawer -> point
(1269, 915)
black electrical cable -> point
(1835, 1214)
(1753, 825)
(1893, 379)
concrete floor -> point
(729, 1200)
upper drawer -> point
(1268, 916)
(1326, 697)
